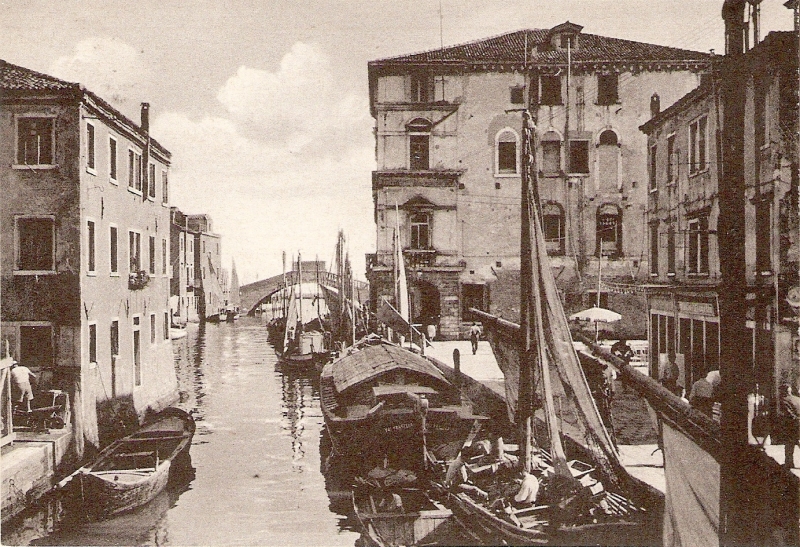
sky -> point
(264, 103)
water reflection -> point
(255, 454)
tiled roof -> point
(13, 77)
(510, 48)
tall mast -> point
(300, 276)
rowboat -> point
(385, 403)
(133, 470)
(401, 517)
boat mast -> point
(531, 316)
(300, 276)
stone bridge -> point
(253, 294)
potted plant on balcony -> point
(138, 280)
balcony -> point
(138, 280)
(423, 178)
(416, 258)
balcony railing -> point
(419, 257)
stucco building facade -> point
(448, 131)
(85, 249)
(683, 213)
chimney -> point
(655, 105)
(146, 117)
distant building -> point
(210, 278)
(448, 147)
(85, 249)
(183, 301)
(683, 212)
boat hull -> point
(419, 521)
(131, 471)
(111, 493)
(495, 529)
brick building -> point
(448, 138)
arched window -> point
(420, 230)
(551, 153)
(608, 159)
(554, 232)
(506, 156)
(419, 143)
(609, 231)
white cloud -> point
(112, 69)
(284, 170)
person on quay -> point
(701, 396)
(474, 336)
(790, 406)
(622, 350)
(22, 392)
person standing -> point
(790, 406)
(22, 392)
(474, 336)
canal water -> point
(257, 476)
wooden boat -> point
(133, 470)
(177, 332)
(547, 494)
(384, 402)
(400, 517)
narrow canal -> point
(257, 476)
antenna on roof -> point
(441, 42)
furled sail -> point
(543, 345)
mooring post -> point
(457, 362)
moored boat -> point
(401, 516)
(133, 470)
(385, 403)
(177, 332)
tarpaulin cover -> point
(691, 506)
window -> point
(90, 243)
(551, 90)
(551, 153)
(135, 240)
(763, 236)
(114, 332)
(533, 93)
(420, 88)
(760, 114)
(672, 160)
(654, 249)
(420, 231)
(607, 89)
(579, 157)
(35, 138)
(90, 147)
(36, 244)
(653, 167)
(134, 171)
(152, 249)
(419, 144)
(152, 328)
(697, 260)
(164, 256)
(164, 188)
(697, 145)
(609, 231)
(112, 159)
(517, 95)
(113, 246)
(671, 251)
(166, 325)
(92, 343)
(506, 153)
(553, 224)
(151, 181)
